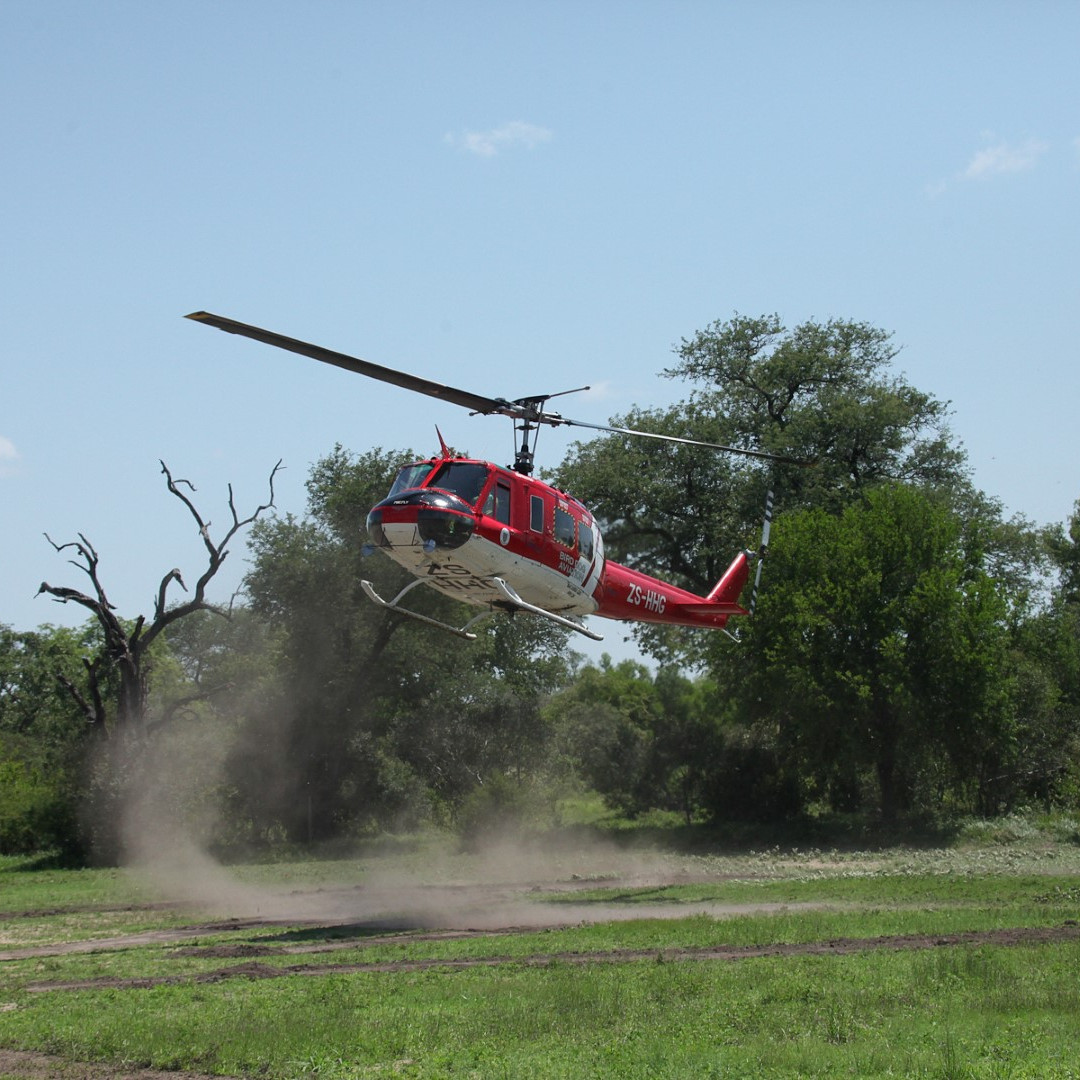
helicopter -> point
(504, 541)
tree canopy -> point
(381, 717)
(912, 652)
(822, 393)
(881, 652)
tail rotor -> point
(762, 550)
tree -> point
(822, 393)
(32, 697)
(42, 736)
(880, 655)
(1047, 659)
(1064, 547)
(642, 742)
(115, 695)
(382, 720)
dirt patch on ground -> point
(252, 969)
(82, 909)
(30, 1066)
(133, 941)
(454, 909)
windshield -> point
(411, 476)
(465, 479)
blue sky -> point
(514, 199)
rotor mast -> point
(525, 454)
(528, 414)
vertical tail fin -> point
(729, 588)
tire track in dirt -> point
(1019, 936)
(470, 914)
(135, 940)
(31, 1065)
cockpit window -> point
(585, 541)
(564, 527)
(410, 476)
(497, 504)
(465, 479)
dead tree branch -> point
(126, 649)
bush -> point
(748, 781)
(35, 813)
(502, 808)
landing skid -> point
(513, 601)
(394, 605)
(513, 598)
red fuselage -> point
(458, 524)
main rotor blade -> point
(761, 454)
(362, 367)
(529, 409)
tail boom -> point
(630, 595)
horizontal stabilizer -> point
(706, 608)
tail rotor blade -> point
(763, 550)
(757, 582)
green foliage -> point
(379, 720)
(43, 737)
(821, 392)
(32, 695)
(1064, 546)
(642, 742)
(881, 654)
(503, 810)
(36, 811)
(750, 777)
(1047, 665)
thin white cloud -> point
(1004, 158)
(8, 456)
(507, 136)
(996, 158)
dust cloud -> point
(169, 815)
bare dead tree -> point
(118, 675)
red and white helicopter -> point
(503, 541)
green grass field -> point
(958, 961)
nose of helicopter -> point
(433, 519)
